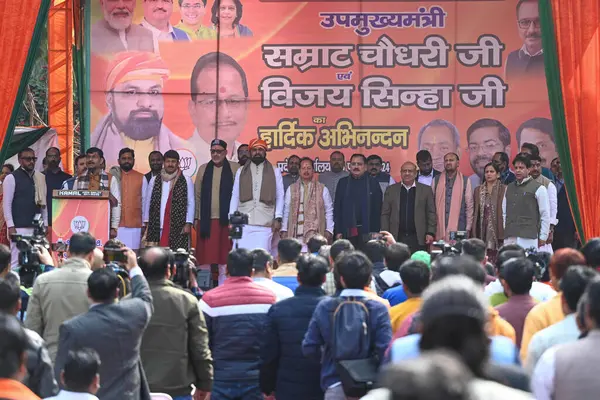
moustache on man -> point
(160, 9)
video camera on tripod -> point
(443, 249)
(30, 266)
(237, 220)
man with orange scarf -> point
(308, 208)
(169, 213)
(453, 199)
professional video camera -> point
(443, 248)
(540, 260)
(29, 253)
(115, 259)
(181, 262)
(237, 220)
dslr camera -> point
(237, 220)
(29, 253)
(115, 259)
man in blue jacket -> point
(355, 271)
(284, 369)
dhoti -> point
(131, 237)
(215, 248)
(256, 237)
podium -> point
(76, 211)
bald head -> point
(155, 263)
(98, 260)
(408, 171)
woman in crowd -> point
(226, 16)
(487, 208)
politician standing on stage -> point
(213, 187)
(258, 192)
(169, 208)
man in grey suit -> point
(408, 210)
(114, 330)
(115, 32)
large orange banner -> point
(385, 78)
(85, 211)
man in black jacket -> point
(284, 369)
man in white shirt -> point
(258, 192)
(536, 174)
(157, 14)
(263, 266)
(525, 208)
(308, 207)
(80, 376)
(170, 205)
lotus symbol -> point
(79, 224)
(185, 163)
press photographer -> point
(177, 330)
(33, 256)
(61, 294)
(115, 258)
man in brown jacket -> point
(408, 210)
(174, 351)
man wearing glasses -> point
(25, 192)
(529, 59)
(219, 104)
(213, 189)
(485, 137)
(134, 96)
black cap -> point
(218, 142)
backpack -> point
(352, 346)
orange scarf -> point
(443, 231)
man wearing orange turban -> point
(258, 192)
(134, 86)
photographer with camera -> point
(62, 294)
(174, 352)
(115, 258)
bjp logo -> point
(187, 162)
(79, 224)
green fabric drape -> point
(556, 108)
(33, 46)
(24, 140)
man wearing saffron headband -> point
(214, 184)
(134, 86)
(115, 32)
(169, 208)
(258, 192)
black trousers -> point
(411, 240)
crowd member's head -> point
(517, 276)
(103, 286)
(457, 265)
(501, 160)
(582, 306)
(358, 165)
(511, 246)
(262, 263)
(155, 262)
(415, 277)
(424, 162)
(338, 247)
(439, 137)
(453, 317)
(4, 260)
(219, 93)
(243, 153)
(126, 159)
(337, 161)
(528, 23)
(485, 137)
(374, 164)
(591, 252)
(239, 263)
(8, 169)
(293, 164)
(434, 375)
(375, 250)
(593, 308)
(556, 168)
(13, 346)
(10, 294)
(451, 163)
(53, 157)
(315, 243)
(521, 166)
(82, 245)
(540, 132)
(312, 270)
(80, 165)
(561, 260)
(81, 373)
(118, 15)
(395, 255)
(27, 159)
(422, 256)
(536, 166)
(324, 252)
(573, 284)
(354, 269)
(155, 160)
(289, 250)
(94, 157)
(476, 249)
(506, 255)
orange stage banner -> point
(76, 211)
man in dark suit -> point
(426, 172)
(114, 330)
(408, 210)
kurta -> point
(165, 197)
